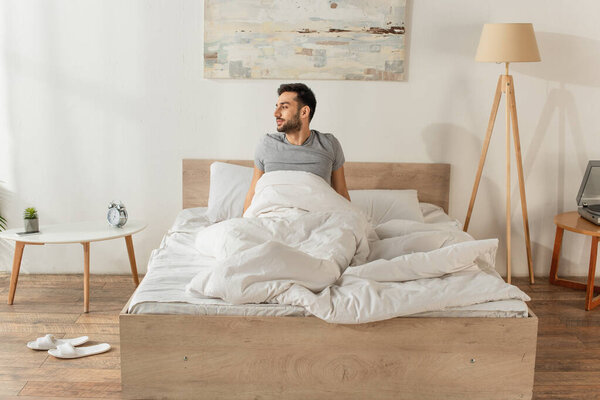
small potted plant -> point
(31, 220)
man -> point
(296, 147)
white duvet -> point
(301, 243)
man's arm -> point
(257, 174)
(338, 182)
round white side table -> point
(81, 232)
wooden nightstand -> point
(571, 221)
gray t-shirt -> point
(320, 154)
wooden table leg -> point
(86, 276)
(556, 254)
(590, 302)
(14, 276)
(132, 263)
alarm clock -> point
(117, 214)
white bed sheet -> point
(175, 263)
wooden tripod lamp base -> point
(506, 43)
(506, 86)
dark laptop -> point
(588, 198)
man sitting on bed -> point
(296, 147)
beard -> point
(292, 125)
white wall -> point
(101, 100)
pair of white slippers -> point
(65, 348)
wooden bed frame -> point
(237, 357)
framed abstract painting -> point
(305, 39)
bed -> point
(282, 353)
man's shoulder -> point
(271, 139)
(326, 138)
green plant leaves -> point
(30, 213)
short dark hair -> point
(304, 96)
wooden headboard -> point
(432, 181)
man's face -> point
(287, 113)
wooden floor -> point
(567, 367)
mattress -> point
(175, 263)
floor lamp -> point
(506, 43)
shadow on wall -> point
(444, 142)
(449, 143)
(4, 197)
(567, 60)
(6, 246)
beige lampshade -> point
(507, 43)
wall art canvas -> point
(305, 39)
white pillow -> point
(383, 205)
(229, 185)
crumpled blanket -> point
(301, 243)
